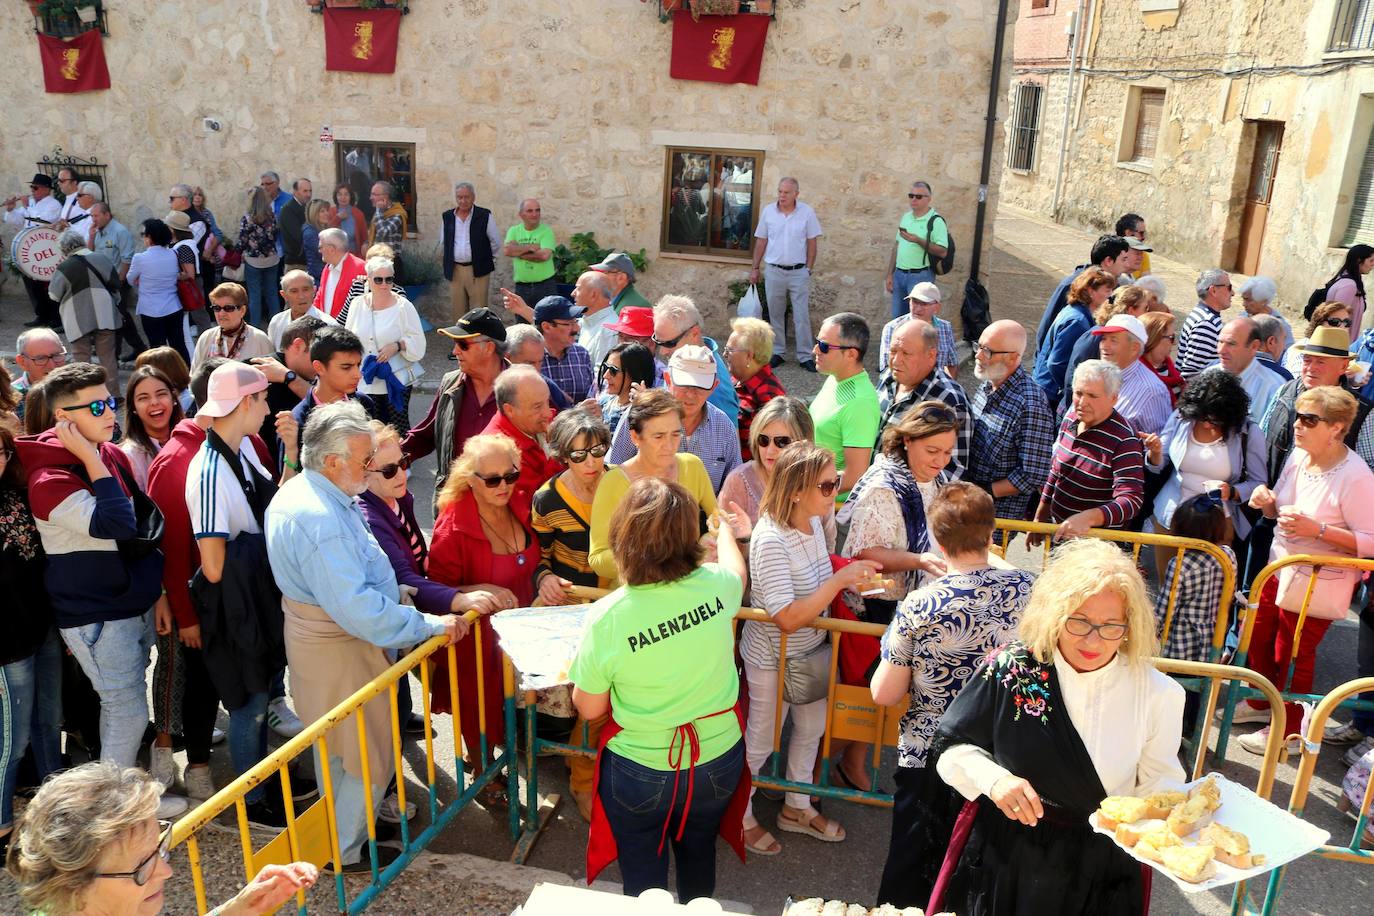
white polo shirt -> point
(787, 233)
(218, 506)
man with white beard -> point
(1013, 427)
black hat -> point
(556, 308)
(43, 181)
(477, 323)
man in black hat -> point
(41, 209)
(466, 401)
(565, 364)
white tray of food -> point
(1212, 833)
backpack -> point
(1315, 300)
(975, 311)
(945, 264)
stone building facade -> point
(1257, 117)
(568, 101)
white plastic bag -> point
(749, 305)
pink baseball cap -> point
(230, 384)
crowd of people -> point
(243, 503)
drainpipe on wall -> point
(994, 96)
(1078, 28)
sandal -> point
(765, 845)
(843, 779)
(804, 822)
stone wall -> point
(568, 101)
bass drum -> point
(36, 252)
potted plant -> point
(571, 261)
(86, 11)
(419, 272)
(713, 7)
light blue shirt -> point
(323, 553)
(116, 241)
(715, 442)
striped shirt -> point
(934, 387)
(573, 373)
(217, 504)
(784, 564)
(1013, 435)
(1144, 400)
(715, 442)
(1197, 342)
(1103, 467)
(562, 522)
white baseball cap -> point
(1128, 323)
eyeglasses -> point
(59, 357)
(388, 471)
(509, 478)
(6, 453)
(387, 280)
(917, 196)
(1309, 420)
(827, 347)
(144, 872)
(1081, 626)
(1221, 286)
(579, 455)
(213, 309)
(775, 441)
(172, 197)
(97, 408)
(828, 487)
(672, 343)
(1337, 322)
(981, 349)
(1168, 337)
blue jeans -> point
(114, 655)
(30, 711)
(637, 800)
(263, 299)
(248, 740)
(902, 282)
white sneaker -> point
(170, 806)
(199, 784)
(163, 766)
(282, 720)
(1247, 714)
(1353, 755)
(1255, 742)
(217, 735)
(390, 810)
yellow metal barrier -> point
(311, 835)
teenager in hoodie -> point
(81, 493)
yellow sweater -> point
(691, 473)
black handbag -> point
(147, 517)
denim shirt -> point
(323, 553)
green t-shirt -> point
(846, 415)
(667, 654)
(531, 271)
(911, 256)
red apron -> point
(858, 652)
(601, 845)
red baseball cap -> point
(635, 321)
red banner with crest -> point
(74, 65)
(718, 49)
(361, 41)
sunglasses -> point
(509, 478)
(468, 343)
(6, 453)
(828, 487)
(388, 471)
(777, 441)
(938, 414)
(608, 369)
(388, 280)
(672, 343)
(97, 408)
(1309, 420)
(917, 196)
(827, 347)
(213, 309)
(176, 197)
(1337, 322)
(1081, 626)
(144, 872)
(579, 455)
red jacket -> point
(359, 225)
(536, 467)
(351, 266)
(167, 488)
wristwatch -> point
(290, 377)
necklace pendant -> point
(519, 559)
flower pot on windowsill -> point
(713, 7)
(87, 13)
(33, 7)
(762, 7)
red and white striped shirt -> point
(1102, 467)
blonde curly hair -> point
(1077, 571)
(465, 465)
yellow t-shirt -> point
(691, 473)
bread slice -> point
(1232, 846)
(1120, 809)
(1191, 863)
(1210, 790)
(1129, 834)
(1161, 803)
(1152, 845)
(1191, 816)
